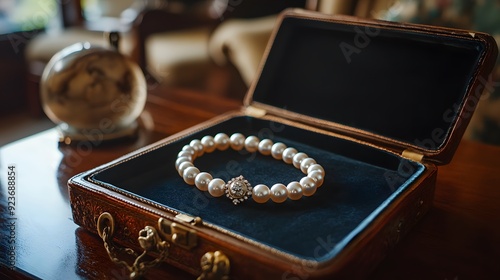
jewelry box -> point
(379, 105)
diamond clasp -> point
(238, 189)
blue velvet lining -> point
(360, 182)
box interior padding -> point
(395, 83)
(361, 181)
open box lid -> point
(410, 88)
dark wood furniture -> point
(458, 239)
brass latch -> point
(214, 266)
(150, 240)
(178, 234)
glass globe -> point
(92, 93)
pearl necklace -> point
(239, 189)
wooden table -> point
(458, 239)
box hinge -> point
(255, 112)
(412, 155)
(196, 221)
(178, 234)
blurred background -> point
(211, 47)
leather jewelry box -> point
(378, 104)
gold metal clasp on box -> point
(148, 239)
(178, 234)
(214, 266)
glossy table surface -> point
(458, 239)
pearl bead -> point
(277, 150)
(288, 154)
(183, 167)
(189, 149)
(261, 193)
(314, 167)
(185, 154)
(265, 146)
(198, 147)
(208, 143)
(202, 180)
(305, 163)
(308, 186)
(297, 159)
(318, 177)
(221, 141)
(237, 141)
(216, 187)
(294, 190)
(189, 174)
(180, 160)
(279, 193)
(252, 143)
